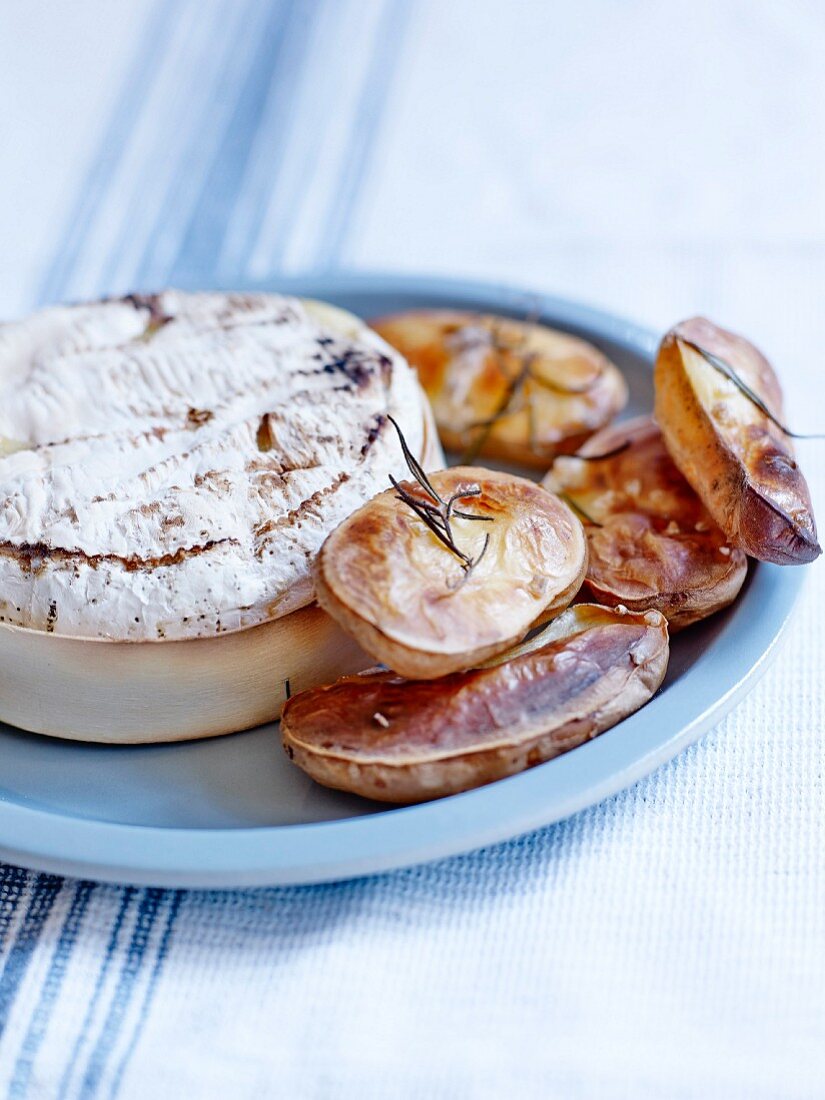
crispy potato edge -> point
(752, 522)
(610, 388)
(621, 692)
(420, 663)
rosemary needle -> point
(436, 513)
(727, 370)
(515, 388)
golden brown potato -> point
(397, 740)
(424, 609)
(652, 542)
(734, 454)
(511, 389)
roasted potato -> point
(397, 740)
(652, 542)
(510, 389)
(733, 452)
(424, 609)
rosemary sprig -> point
(500, 345)
(727, 370)
(505, 406)
(436, 513)
(515, 387)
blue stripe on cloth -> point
(208, 64)
(127, 895)
(50, 991)
(160, 958)
(13, 881)
(282, 46)
(146, 61)
(389, 37)
(147, 914)
(45, 890)
(275, 126)
(201, 245)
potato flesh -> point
(10, 446)
(384, 568)
(740, 463)
(640, 478)
(402, 740)
(652, 542)
(468, 363)
(746, 430)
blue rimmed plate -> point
(234, 812)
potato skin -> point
(575, 389)
(682, 578)
(404, 597)
(396, 740)
(652, 544)
(739, 462)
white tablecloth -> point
(660, 159)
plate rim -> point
(299, 854)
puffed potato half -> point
(423, 610)
(513, 390)
(652, 542)
(734, 453)
(397, 740)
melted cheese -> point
(178, 460)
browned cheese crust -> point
(397, 740)
(652, 542)
(409, 601)
(740, 463)
(510, 389)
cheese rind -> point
(179, 458)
